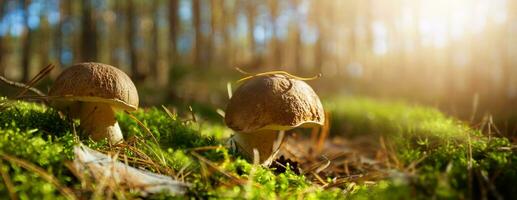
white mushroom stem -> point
(98, 120)
(266, 142)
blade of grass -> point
(8, 183)
(143, 127)
(214, 166)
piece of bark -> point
(104, 168)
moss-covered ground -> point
(432, 156)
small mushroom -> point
(93, 92)
(268, 104)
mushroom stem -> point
(98, 120)
(263, 141)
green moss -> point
(169, 131)
(27, 116)
(38, 135)
(392, 189)
(264, 184)
(353, 116)
(441, 144)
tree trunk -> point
(173, 31)
(89, 33)
(131, 37)
(64, 9)
(251, 12)
(27, 45)
(2, 66)
(211, 53)
(116, 33)
(276, 47)
(226, 23)
(196, 12)
(46, 39)
(75, 41)
(157, 70)
(505, 37)
(298, 48)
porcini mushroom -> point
(265, 105)
(93, 92)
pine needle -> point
(41, 74)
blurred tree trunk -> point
(211, 53)
(173, 31)
(2, 63)
(104, 20)
(45, 41)
(64, 12)
(131, 37)
(227, 22)
(76, 35)
(298, 47)
(275, 43)
(2, 66)
(154, 56)
(319, 50)
(159, 70)
(251, 12)
(505, 37)
(196, 12)
(89, 32)
(116, 33)
(26, 44)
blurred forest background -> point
(460, 55)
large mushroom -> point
(266, 105)
(93, 92)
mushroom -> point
(93, 92)
(266, 105)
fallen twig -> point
(21, 85)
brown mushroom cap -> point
(96, 82)
(273, 102)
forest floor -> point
(372, 150)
